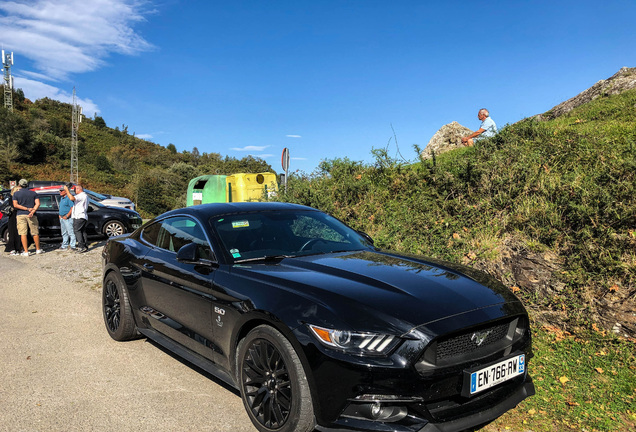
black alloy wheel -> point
(273, 384)
(118, 317)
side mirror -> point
(189, 254)
(366, 236)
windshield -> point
(248, 236)
(95, 195)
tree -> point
(195, 156)
(102, 164)
(8, 152)
(16, 138)
(172, 148)
(99, 122)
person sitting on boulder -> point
(487, 129)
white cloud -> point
(71, 36)
(144, 136)
(41, 90)
(298, 158)
(65, 37)
(264, 155)
(293, 136)
(250, 148)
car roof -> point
(55, 188)
(217, 209)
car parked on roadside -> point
(110, 200)
(104, 199)
(314, 325)
(102, 220)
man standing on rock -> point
(79, 214)
(487, 129)
(26, 202)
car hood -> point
(119, 210)
(116, 198)
(404, 291)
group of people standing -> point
(73, 214)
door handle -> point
(149, 267)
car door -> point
(178, 295)
(48, 216)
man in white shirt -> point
(80, 216)
(487, 129)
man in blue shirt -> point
(66, 223)
(487, 129)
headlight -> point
(354, 342)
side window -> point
(151, 232)
(176, 232)
(47, 202)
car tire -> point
(273, 383)
(114, 228)
(5, 236)
(116, 309)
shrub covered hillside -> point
(35, 143)
(547, 206)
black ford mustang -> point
(316, 327)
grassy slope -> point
(565, 186)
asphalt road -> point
(60, 371)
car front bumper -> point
(406, 396)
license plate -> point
(497, 373)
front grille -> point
(471, 341)
(472, 344)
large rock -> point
(624, 79)
(449, 137)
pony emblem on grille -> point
(480, 337)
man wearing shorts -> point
(26, 202)
(487, 129)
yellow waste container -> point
(251, 187)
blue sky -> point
(324, 78)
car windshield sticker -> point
(235, 253)
(240, 224)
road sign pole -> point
(285, 163)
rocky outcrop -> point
(624, 79)
(449, 137)
(538, 275)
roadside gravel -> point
(60, 371)
(83, 268)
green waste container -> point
(207, 189)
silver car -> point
(111, 201)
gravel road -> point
(60, 371)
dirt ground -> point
(85, 268)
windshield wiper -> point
(263, 258)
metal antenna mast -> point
(7, 62)
(76, 120)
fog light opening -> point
(385, 413)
